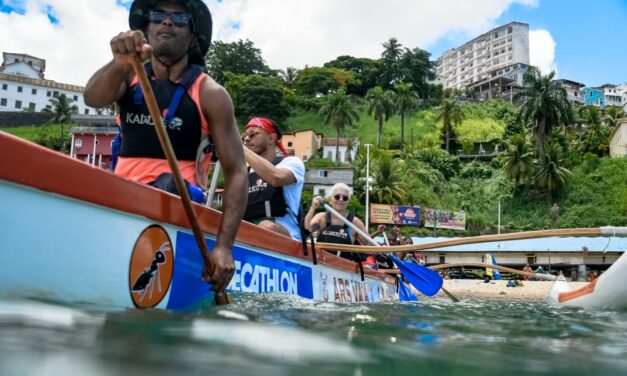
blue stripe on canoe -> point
(255, 272)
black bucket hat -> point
(201, 19)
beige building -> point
(478, 59)
(618, 140)
(304, 144)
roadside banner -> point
(444, 219)
(395, 214)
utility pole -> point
(368, 185)
(499, 220)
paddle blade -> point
(425, 280)
(404, 292)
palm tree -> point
(289, 75)
(544, 101)
(392, 50)
(551, 174)
(62, 110)
(339, 111)
(390, 67)
(388, 186)
(518, 159)
(595, 138)
(451, 115)
(612, 114)
(406, 99)
(381, 105)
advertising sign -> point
(395, 214)
(445, 219)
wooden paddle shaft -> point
(166, 145)
(481, 265)
(602, 231)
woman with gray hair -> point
(329, 228)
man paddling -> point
(175, 35)
(275, 183)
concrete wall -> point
(618, 140)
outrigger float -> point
(75, 233)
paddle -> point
(220, 297)
(423, 279)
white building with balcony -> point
(23, 86)
(478, 59)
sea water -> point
(277, 334)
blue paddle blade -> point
(404, 292)
(425, 280)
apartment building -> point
(478, 59)
(23, 86)
(573, 90)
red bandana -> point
(266, 125)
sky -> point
(581, 40)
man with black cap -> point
(175, 35)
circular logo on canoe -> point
(152, 265)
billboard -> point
(395, 214)
(445, 219)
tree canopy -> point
(240, 57)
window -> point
(75, 98)
(323, 174)
(322, 192)
(86, 111)
(4, 86)
(34, 91)
(48, 93)
(55, 93)
(442, 258)
(3, 102)
(19, 89)
(31, 106)
(18, 104)
(289, 144)
(509, 30)
(531, 258)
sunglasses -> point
(249, 135)
(179, 19)
(340, 197)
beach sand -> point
(473, 289)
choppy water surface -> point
(279, 335)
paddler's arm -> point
(276, 177)
(109, 83)
(311, 214)
(218, 109)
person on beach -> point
(527, 269)
(173, 36)
(275, 183)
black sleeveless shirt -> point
(338, 234)
(264, 200)
(139, 138)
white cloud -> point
(542, 50)
(289, 32)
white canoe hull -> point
(61, 247)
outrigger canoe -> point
(608, 291)
(70, 232)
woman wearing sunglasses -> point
(329, 228)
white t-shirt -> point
(292, 194)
